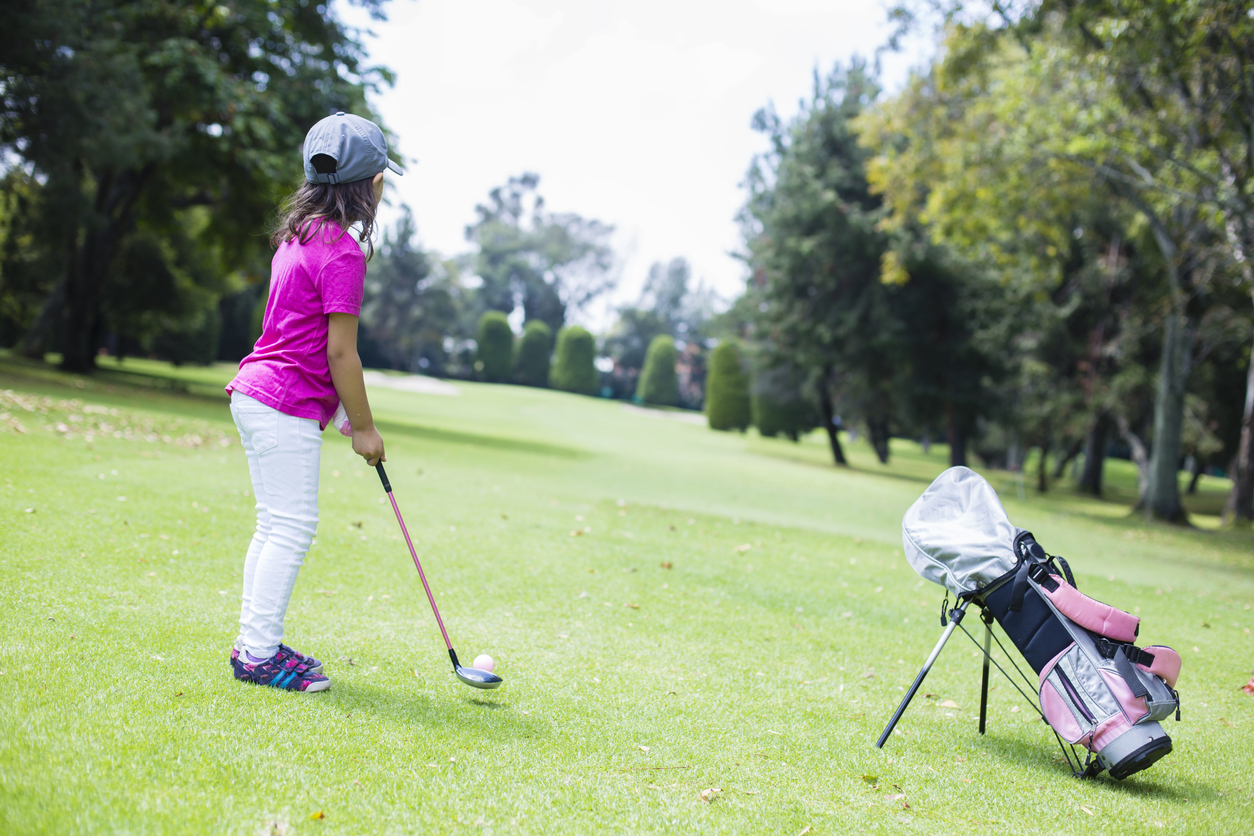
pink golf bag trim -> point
(1166, 663)
(1093, 615)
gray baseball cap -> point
(356, 144)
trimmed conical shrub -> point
(727, 390)
(658, 382)
(531, 363)
(495, 355)
(573, 369)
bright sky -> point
(635, 113)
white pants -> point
(283, 454)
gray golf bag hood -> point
(958, 535)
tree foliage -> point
(531, 362)
(496, 347)
(573, 366)
(659, 384)
(156, 118)
(549, 263)
(727, 390)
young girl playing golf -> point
(302, 367)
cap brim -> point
(395, 168)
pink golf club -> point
(474, 677)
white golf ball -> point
(484, 662)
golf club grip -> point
(383, 477)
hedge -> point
(727, 390)
(531, 363)
(573, 369)
(495, 355)
(658, 382)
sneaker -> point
(282, 670)
(313, 665)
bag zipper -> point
(1074, 694)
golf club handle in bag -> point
(383, 476)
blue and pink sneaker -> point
(309, 662)
(282, 670)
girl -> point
(304, 364)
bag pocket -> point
(1063, 705)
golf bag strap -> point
(1136, 655)
(1020, 588)
(1124, 666)
(1066, 569)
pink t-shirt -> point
(288, 368)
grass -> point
(674, 610)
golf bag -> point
(1097, 689)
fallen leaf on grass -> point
(949, 704)
(644, 749)
(317, 815)
(707, 795)
(804, 830)
(666, 564)
(1226, 722)
(743, 547)
(895, 796)
(633, 606)
(1088, 810)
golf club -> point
(474, 677)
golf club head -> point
(476, 678)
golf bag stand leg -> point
(987, 618)
(955, 616)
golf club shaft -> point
(387, 486)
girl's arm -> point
(347, 378)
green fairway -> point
(698, 631)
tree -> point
(573, 369)
(550, 263)
(668, 306)
(531, 362)
(810, 228)
(137, 113)
(658, 381)
(496, 347)
(1184, 71)
(727, 390)
(778, 404)
(413, 301)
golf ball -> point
(484, 662)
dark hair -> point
(302, 215)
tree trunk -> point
(1161, 499)
(1095, 455)
(1196, 470)
(878, 432)
(112, 217)
(1060, 466)
(35, 342)
(1240, 505)
(957, 438)
(829, 420)
(1042, 469)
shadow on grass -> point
(514, 445)
(471, 715)
(1169, 785)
